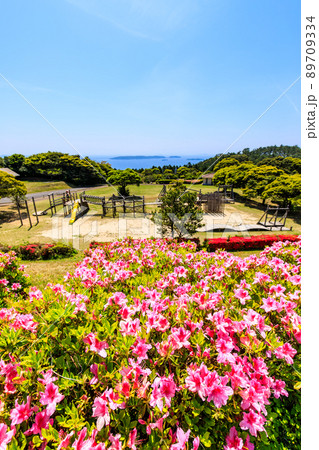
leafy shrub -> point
(13, 280)
(150, 344)
(258, 242)
(31, 252)
(57, 251)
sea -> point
(146, 162)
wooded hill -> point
(256, 156)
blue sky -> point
(120, 77)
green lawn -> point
(40, 186)
(43, 272)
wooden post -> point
(53, 203)
(28, 212)
(19, 213)
(50, 204)
(143, 205)
(124, 209)
(35, 210)
(133, 206)
(276, 214)
(113, 206)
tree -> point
(225, 162)
(285, 189)
(62, 166)
(123, 178)
(10, 187)
(14, 162)
(187, 173)
(289, 165)
(258, 178)
(179, 214)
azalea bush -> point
(31, 252)
(13, 280)
(151, 344)
(257, 242)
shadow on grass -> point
(10, 214)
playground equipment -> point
(274, 217)
(212, 202)
(74, 211)
(227, 192)
(116, 204)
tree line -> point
(266, 172)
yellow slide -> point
(76, 206)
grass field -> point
(43, 272)
(40, 186)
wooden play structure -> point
(75, 205)
(131, 204)
(67, 200)
(274, 217)
(212, 202)
(227, 192)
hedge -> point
(258, 242)
(41, 251)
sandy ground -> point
(92, 227)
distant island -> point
(139, 157)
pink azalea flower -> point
(96, 345)
(47, 377)
(116, 443)
(196, 443)
(248, 444)
(182, 438)
(278, 289)
(219, 393)
(158, 424)
(242, 295)
(81, 443)
(94, 369)
(278, 388)
(233, 441)
(224, 348)
(21, 412)
(51, 395)
(132, 439)
(181, 337)
(195, 383)
(65, 441)
(5, 436)
(140, 348)
(42, 421)
(253, 422)
(101, 410)
(286, 352)
(163, 388)
(269, 304)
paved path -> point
(7, 200)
